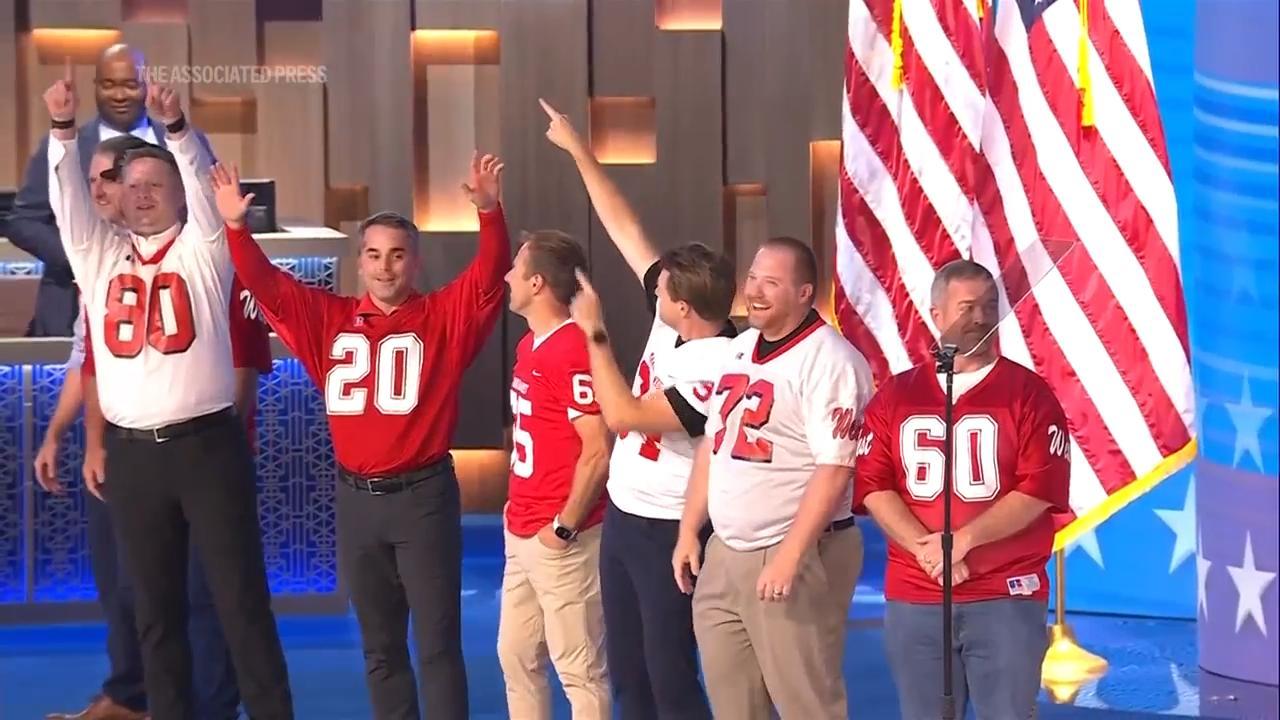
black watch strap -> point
(63, 124)
(600, 337)
(177, 125)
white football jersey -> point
(648, 473)
(773, 421)
(157, 306)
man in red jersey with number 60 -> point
(551, 603)
(1011, 467)
(390, 364)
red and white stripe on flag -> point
(968, 132)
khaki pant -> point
(758, 654)
(551, 606)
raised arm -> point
(623, 412)
(82, 231)
(472, 302)
(290, 306)
(616, 214)
(194, 162)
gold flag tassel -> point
(1067, 666)
(1086, 83)
(895, 41)
(982, 9)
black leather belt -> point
(841, 524)
(176, 430)
(390, 484)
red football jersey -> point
(390, 382)
(550, 388)
(1009, 433)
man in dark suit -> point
(120, 91)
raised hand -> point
(560, 131)
(585, 308)
(484, 187)
(226, 194)
(164, 103)
(60, 98)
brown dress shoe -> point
(102, 708)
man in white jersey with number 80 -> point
(774, 475)
(179, 467)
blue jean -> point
(653, 655)
(998, 648)
(216, 694)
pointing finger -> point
(546, 106)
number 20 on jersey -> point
(396, 364)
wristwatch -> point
(600, 337)
(564, 532)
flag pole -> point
(1066, 665)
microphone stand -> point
(945, 355)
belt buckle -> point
(368, 484)
(155, 432)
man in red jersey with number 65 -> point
(551, 603)
(1011, 467)
(390, 364)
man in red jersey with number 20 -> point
(390, 364)
(1011, 468)
(551, 603)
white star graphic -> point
(1251, 583)
(1183, 524)
(1088, 542)
(1202, 576)
(1248, 420)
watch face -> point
(564, 533)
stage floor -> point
(57, 667)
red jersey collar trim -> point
(366, 306)
(168, 237)
(807, 327)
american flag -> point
(1025, 136)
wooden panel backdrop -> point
(719, 118)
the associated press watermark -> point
(235, 74)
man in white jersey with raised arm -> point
(179, 466)
(774, 475)
(653, 655)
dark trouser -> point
(998, 649)
(653, 655)
(400, 552)
(216, 695)
(196, 487)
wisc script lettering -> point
(844, 423)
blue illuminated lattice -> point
(62, 568)
(13, 475)
(21, 268)
(296, 478)
(320, 272)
